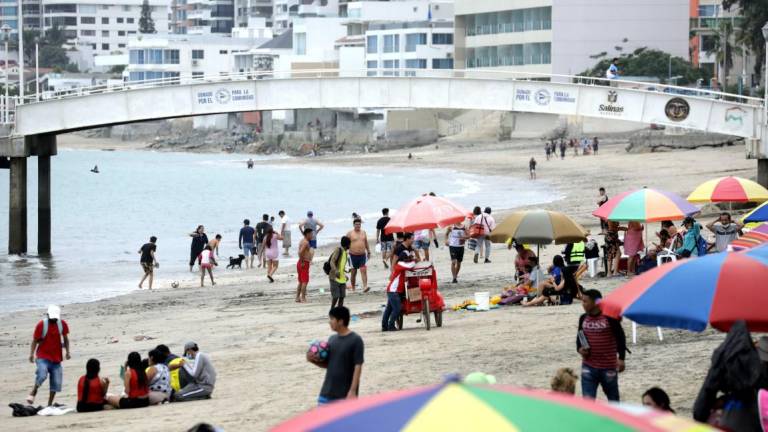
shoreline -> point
(244, 320)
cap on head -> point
(190, 346)
(54, 312)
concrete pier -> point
(44, 146)
(17, 220)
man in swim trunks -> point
(302, 266)
(359, 253)
(387, 241)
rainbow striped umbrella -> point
(760, 214)
(754, 238)
(645, 205)
(454, 406)
(729, 189)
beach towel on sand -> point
(55, 410)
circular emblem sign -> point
(677, 109)
(542, 97)
(222, 96)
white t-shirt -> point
(285, 220)
(454, 237)
(486, 220)
(205, 257)
(421, 235)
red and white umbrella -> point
(426, 212)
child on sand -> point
(206, 261)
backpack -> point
(45, 328)
(327, 264)
(701, 246)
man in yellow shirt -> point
(337, 276)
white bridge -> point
(92, 107)
(31, 126)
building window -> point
(222, 51)
(444, 63)
(121, 33)
(136, 57)
(131, 32)
(105, 33)
(87, 9)
(197, 75)
(136, 76)
(372, 44)
(709, 10)
(518, 20)
(171, 56)
(119, 20)
(105, 47)
(105, 20)
(442, 39)
(121, 45)
(416, 64)
(61, 8)
(87, 20)
(126, 8)
(154, 56)
(414, 39)
(87, 32)
(391, 64)
(708, 43)
(59, 21)
(301, 43)
(129, 20)
(198, 54)
(391, 43)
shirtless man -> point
(359, 254)
(302, 266)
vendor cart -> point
(422, 296)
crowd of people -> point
(584, 146)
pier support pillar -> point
(762, 172)
(44, 146)
(17, 218)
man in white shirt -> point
(613, 69)
(726, 231)
(285, 231)
(484, 244)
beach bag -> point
(327, 264)
(472, 244)
(701, 246)
(476, 231)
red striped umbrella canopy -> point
(645, 205)
(426, 212)
(729, 189)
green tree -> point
(723, 48)
(754, 15)
(117, 69)
(146, 24)
(651, 63)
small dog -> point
(236, 261)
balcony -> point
(201, 14)
(713, 23)
(508, 27)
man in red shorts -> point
(302, 266)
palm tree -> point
(723, 48)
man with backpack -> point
(335, 269)
(49, 337)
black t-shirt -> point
(146, 252)
(344, 353)
(403, 253)
(383, 221)
(261, 231)
(199, 242)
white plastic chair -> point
(665, 257)
(634, 333)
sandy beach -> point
(256, 335)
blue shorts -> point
(421, 244)
(358, 261)
(46, 368)
(313, 244)
(247, 248)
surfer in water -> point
(95, 169)
(250, 163)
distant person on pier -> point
(199, 241)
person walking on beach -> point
(345, 360)
(50, 335)
(359, 253)
(562, 149)
(315, 225)
(148, 260)
(306, 253)
(199, 241)
(285, 231)
(245, 242)
(272, 252)
(385, 241)
(485, 220)
(206, 261)
(261, 231)
(595, 144)
(603, 346)
(455, 236)
(532, 168)
(547, 150)
(338, 276)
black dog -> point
(236, 261)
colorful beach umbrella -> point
(538, 227)
(729, 189)
(716, 289)
(752, 239)
(463, 407)
(645, 205)
(760, 214)
(426, 212)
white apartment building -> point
(202, 17)
(313, 42)
(564, 36)
(263, 57)
(408, 45)
(245, 9)
(106, 28)
(183, 56)
(285, 11)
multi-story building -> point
(562, 36)
(282, 15)
(408, 45)
(202, 16)
(106, 28)
(183, 56)
(245, 9)
(9, 16)
(710, 27)
(32, 13)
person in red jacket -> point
(396, 289)
(49, 337)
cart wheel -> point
(425, 311)
(399, 322)
(439, 318)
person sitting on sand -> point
(174, 364)
(553, 285)
(657, 398)
(690, 239)
(521, 260)
(159, 377)
(200, 375)
(564, 381)
(136, 393)
(92, 390)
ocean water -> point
(101, 220)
